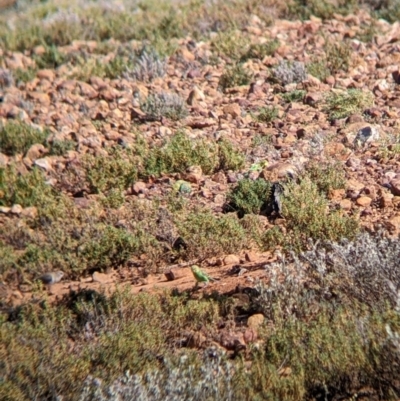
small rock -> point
(232, 341)
(35, 151)
(353, 188)
(30, 212)
(164, 131)
(219, 177)
(194, 174)
(3, 160)
(393, 225)
(395, 187)
(195, 96)
(44, 163)
(16, 209)
(175, 273)
(139, 187)
(5, 209)
(364, 201)
(87, 90)
(346, 204)
(255, 321)
(46, 74)
(219, 199)
(231, 260)
(279, 171)
(250, 335)
(250, 256)
(386, 200)
(233, 110)
(101, 278)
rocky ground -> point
(119, 159)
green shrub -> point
(343, 104)
(26, 190)
(51, 58)
(236, 75)
(266, 114)
(338, 56)
(17, 137)
(117, 170)
(294, 96)
(261, 50)
(179, 153)
(199, 229)
(319, 69)
(307, 215)
(248, 196)
(327, 176)
(230, 44)
(229, 157)
(163, 104)
(60, 148)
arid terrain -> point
(258, 140)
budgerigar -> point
(200, 276)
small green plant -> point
(338, 56)
(324, 9)
(248, 196)
(294, 96)
(230, 44)
(51, 58)
(229, 157)
(179, 153)
(236, 75)
(343, 104)
(60, 148)
(115, 171)
(319, 69)
(201, 228)
(289, 72)
(148, 66)
(111, 247)
(18, 136)
(25, 190)
(327, 177)
(24, 75)
(266, 114)
(306, 210)
(261, 50)
(164, 104)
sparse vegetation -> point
(308, 216)
(287, 72)
(235, 76)
(17, 137)
(101, 172)
(343, 104)
(266, 114)
(319, 69)
(294, 96)
(261, 50)
(148, 66)
(164, 104)
(337, 56)
(25, 190)
(249, 196)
